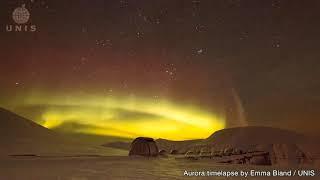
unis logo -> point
(21, 16)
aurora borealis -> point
(165, 69)
(127, 117)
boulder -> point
(216, 153)
(289, 154)
(173, 151)
(237, 151)
(259, 160)
(143, 146)
(191, 154)
(162, 152)
(239, 161)
(205, 153)
(227, 151)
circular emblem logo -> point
(21, 15)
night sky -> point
(170, 69)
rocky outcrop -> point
(289, 154)
(162, 152)
(180, 146)
(174, 151)
(262, 158)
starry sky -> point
(175, 69)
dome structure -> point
(143, 146)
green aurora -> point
(122, 116)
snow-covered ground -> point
(119, 167)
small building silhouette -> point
(143, 146)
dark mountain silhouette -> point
(14, 127)
(19, 135)
(254, 135)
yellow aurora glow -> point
(127, 116)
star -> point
(139, 35)
(200, 51)
(277, 45)
(171, 70)
(200, 28)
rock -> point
(174, 151)
(289, 154)
(181, 146)
(143, 146)
(205, 154)
(190, 154)
(227, 151)
(260, 159)
(238, 161)
(302, 157)
(237, 151)
(216, 153)
(162, 152)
